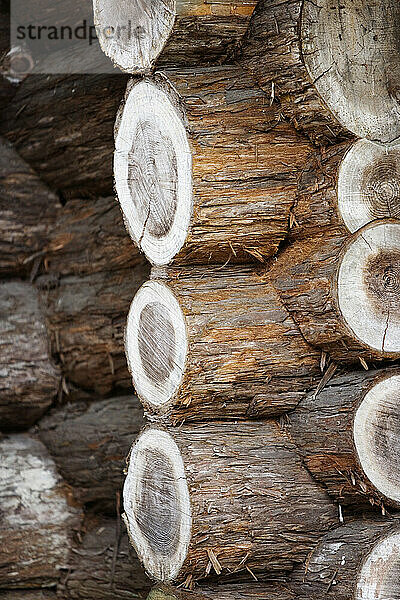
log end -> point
(157, 505)
(380, 573)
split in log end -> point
(377, 436)
(153, 172)
(156, 344)
(380, 573)
(157, 504)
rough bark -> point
(205, 169)
(339, 567)
(324, 426)
(212, 498)
(103, 566)
(342, 290)
(89, 443)
(28, 211)
(93, 272)
(245, 591)
(28, 595)
(70, 144)
(175, 32)
(333, 66)
(216, 344)
(38, 519)
(29, 380)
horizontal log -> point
(359, 560)
(206, 498)
(348, 436)
(103, 566)
(216, 344)
(70, 144)
(205, 169)
(28, 211)
(29, 380)
(38, 519)
(329, 83)
(89, 443)
(28, 595)
(244, 591)
(343, 290)
(176, 32)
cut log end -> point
(380, 574)
(377, 436)
(368, 287)
(157, 504)
(156, 344)
(369, 184)
(351, 52)
(152, 168)
(133, 32)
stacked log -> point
(223, 592)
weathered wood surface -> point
(29, 380)
(209, 498)
(205, 169)
(28, 211)
(89, 443)
(216, 343)
(103, 566)
(63, 127)
(342, 291)
(28, 595)
(323, 428)
(334, 66)
(175, 32)
(93, 272)
(339, 568)
(232, 591)
(38, 519)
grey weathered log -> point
(230, 591)
(323, 426)
(338, 569)
(29, 381)
(28, 210)
(89, 443)
(326, 59)
(38, 519)
(205, 169)
(174, 32)
(216, 343)
(103, 566)
(63, 127)
(212, 498)
(93, 272)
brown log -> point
(244, 591)
(216, 344)
(93, 272)
(38, 519)
(89, 443)
(343, 290)
(29, 380)
(63, 127)
(28, 211)
(175, 32)
(28, 595)
(205, 170)
(209, 498)
(348, 436)
(359, 560)
(103, 566)
(334, 66)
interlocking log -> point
(207, 343)
(348, 435)
(176, 32)
(28, 211)
(343, 291)
(89, 443)
(334, 66)
(29, 380)
(359, 560)
(244, 591)
(215, 498)
(38, 519)
(103, 566)
(205, 170)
